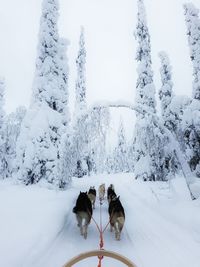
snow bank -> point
(38, 228)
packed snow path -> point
(161, 228)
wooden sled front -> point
(100, 253)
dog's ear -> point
(86, 192)
(118, 197)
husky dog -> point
(102, 191)
(110, 192)
(117, 216)
(83, 211)
(92, 195)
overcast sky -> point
(109, 27)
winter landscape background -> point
(94, 92)
(109, 27)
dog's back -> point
(110, 193)
(117, 216)
(92, 195)
(83, 211)
(83, 203)
(102, 191)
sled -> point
(99, 253)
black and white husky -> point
(117, 216)
(83, 211)
(110, 193)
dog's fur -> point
(101, 191)
(110, 192)
(92, 195)
(83, 211)
(117, 216)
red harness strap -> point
(101, 243)
(101, 231)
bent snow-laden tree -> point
(46, 120)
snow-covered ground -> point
(38, 228)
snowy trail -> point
(148, 238)
(161, 227)
(69, 243)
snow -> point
(38, 228)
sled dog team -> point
(85, 204)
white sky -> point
(109, 27)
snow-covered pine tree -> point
(145, 97)
(145, 93)
(51, 74)
(166, 93)
(121, 151)
(80, 90)
(81, 141)
(193, 32)
(3, 163)
(150, 139)
(98, 122)
(68, 156)
(110, 162)
(45, 122)
(80, 114)
(190, 124)
(12, 131)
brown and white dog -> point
(117, 216)
(101, 191)
(92, 195)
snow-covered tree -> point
(145, 93)
(146, 143)
(80, 90)
(80, 113)
(176, 110)
(46, 120)
(12, 130)
(190, 126)
(99, 118)
(68, 157)
(110, 162)
(38, 146)
(193, 32)
(152, 156)
(51, 74)
(165, 93)
(3, 164)
(121, 151)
